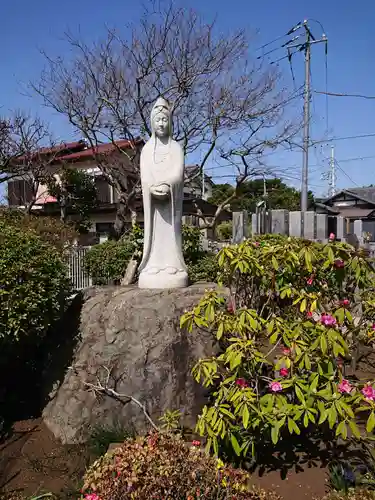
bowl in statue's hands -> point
(160, 191)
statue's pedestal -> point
(163, 280)
(136, 334)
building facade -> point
(80, 155)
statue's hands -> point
(160, 191)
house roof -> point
(88, 152)
(329, 209)
(366, 194)
(77, 151)
(356, 212)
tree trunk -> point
(120, 222)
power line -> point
(331, 139)
(346, 175)
(337, 94)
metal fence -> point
(80, 279)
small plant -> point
(162, 466)
(353, 494)
(171, 420)
(224, 230)
(341, 477)
(102, 436)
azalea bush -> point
(163, 466)
(294, 314)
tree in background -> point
(24, 140)
(279, 195)
(28, 153)
(76, 193)
(227, 107)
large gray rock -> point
(135, 333)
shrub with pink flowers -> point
(292, 315)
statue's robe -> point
(162, 261)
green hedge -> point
(108, 261)
(33, 284)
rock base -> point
(135, 334)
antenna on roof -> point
(85, 142)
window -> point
(104, 227)
(103, 188)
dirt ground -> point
(33, 462)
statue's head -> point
(161, 118)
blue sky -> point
(28, 27)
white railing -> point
(80, 279)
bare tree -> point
(222, 101)
(26, 152)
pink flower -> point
(368, 392)
(256, 243)
(230, 305)
(284, 372)
(332, 236)
(286, 351)
(241, 382)
(345, 386)
(92, 496)
(328, 320)
(309, 314)
(345, 302)
(196, 443)
(310, 281)
(373, 326)
(339, 263)
(275, 386)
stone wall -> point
(135, 333)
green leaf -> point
(275, 263)
(299, 394)
(235, 444)
(302, 307)
(220, 331)
(323, 416)
(323, 343)
(306, 419)
(354, 428)
(348, 315)
(314, 383)
(293, 427)
(245, 416)
(332, 416)
(340, 314)
(370, 422)
(275, 434)
(341, 430)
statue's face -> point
(161, 124)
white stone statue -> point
(162, 179)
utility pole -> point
(304, 46)
(332, 173)
(306, 123)
(293, 47)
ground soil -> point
(32, 462)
